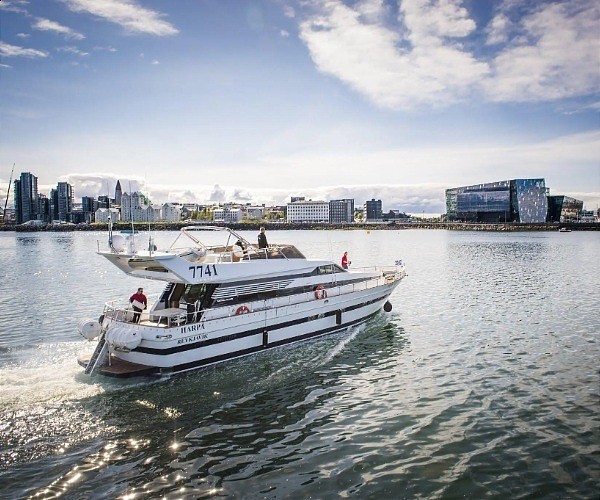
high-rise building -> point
(89, 205)
(118, 193)
(341, 211)
(373, 210)
(64, 200)
(26, 198)
(516, 200)
(43, 211)
(104, 201)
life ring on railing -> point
(320, 292)
(242, 310)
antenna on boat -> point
(8, 193)
(150, 242)
(132, 246)
(110, 231)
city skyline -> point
(215, 101)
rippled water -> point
(482, 381)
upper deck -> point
(234, 259)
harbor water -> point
(483, 380)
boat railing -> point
(179, 316)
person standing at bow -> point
(345, 261)
(262, 239)
(139, 302)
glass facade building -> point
(26, 197)
(564, 208)
(517, 200)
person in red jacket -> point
(139, 298)
(345, 261)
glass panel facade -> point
(563, 208)
(530, 200)
(518, 200)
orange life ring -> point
(320, 292)
(242, 310)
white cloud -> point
(46, 25)
(218, 194)
(23, 35)
(8, 50)
(428, 21)
(126, 13)
(396, 70)
(284, 33)
(498, 30)
(14, 6)
(155, 62)
(425, 59)
(72, 50)
(554, 55)
(8, 66)
(98, 184)
(108, 49)
(289, 11)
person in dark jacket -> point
(262, 239)
(138, 298)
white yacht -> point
(225, 301)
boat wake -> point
(44, 373)
(338, 348)
(312, 356)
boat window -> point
(327, 269)
(194, 293)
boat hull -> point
(177, 349)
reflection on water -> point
(482, 381)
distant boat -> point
(564, 230)
(129, 231)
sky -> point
(259, 100)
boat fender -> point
(320, 292)
(242, 310)
(387, 307)
(89, 329)
(124, 338)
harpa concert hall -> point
(517, 200)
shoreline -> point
(251, 226)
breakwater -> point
(274, 226)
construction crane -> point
(8, 193)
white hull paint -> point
(226, 301)
(189, 346)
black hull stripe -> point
(249, 333)
(244, 352)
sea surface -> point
(483, 381)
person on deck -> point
(138, 299)
(262, 239)
(345, 261)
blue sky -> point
(212, 100)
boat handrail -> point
(178, 316)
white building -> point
(102, 214)
(170, 212)
(308, 211)
(135, 207)
(226, 214)
(254, 213)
